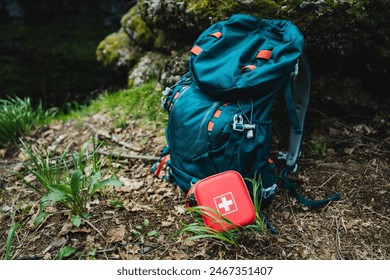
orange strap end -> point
(217, 114)
(216, 35)
(210, 126)
(250, 67)
(264, 54)
(196, 50)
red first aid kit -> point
(226, 196)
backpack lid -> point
(245, 55)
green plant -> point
(317, 148)
(18, 116)
(143, 230)
(65, 252)
(11, 234)
(70, 179)
(199, 230)
(257, 184)
(142, 103)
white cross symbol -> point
(225, 204)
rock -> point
(115, 51)
(175, 68)
(136, 29)
(149, 67)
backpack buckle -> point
(238, 123)
(268, 192)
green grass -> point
(317, 147)
(70, 179)
(18, 116)
(11, 235)
(140, 103)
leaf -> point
(65, 252)
(93, 180)
(146, 222)
(152, 233)
(41, 217)
(53, 197)
(111, 182)
(76, 220)
(10, 237)
(76, 182)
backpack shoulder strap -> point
(296, 94)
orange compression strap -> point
(210, 126)
(217, 114)
(264, 54)
(250, 67)
(160, 165)
(196, 50)
(216, 35)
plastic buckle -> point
(165, 98)
(238, 123)
(282, 155)
(266, 193)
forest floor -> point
(141, 219)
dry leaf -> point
(166, 224)
(58, 242)
(180, 209)
(116, 234)
(65, 228)
(81, 230)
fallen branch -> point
(128, 156)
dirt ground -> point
(141, 219)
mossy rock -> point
(171, 21)
(138, 31)
(175, 68)
(148, 68)
(115, 51)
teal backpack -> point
(219, 112)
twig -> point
(98, 231)
(129, 156)
(337, 241)
(323, 184)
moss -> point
(114, 50)
(221, 9)
(216, 10)
(140, 32)
(159, 39)
(126, 17)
